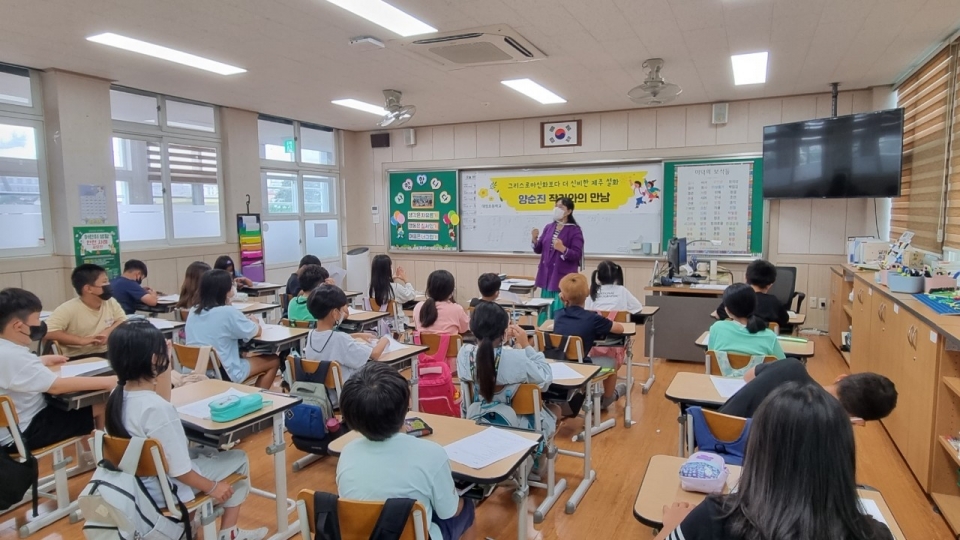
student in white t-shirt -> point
(607, 292)
(138, 355)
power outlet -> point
(823, 303)
(814, 302)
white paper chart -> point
(714, 203)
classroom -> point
(480, 269)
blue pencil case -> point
(230, 408)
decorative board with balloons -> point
(424, 214)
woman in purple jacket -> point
(560, 249)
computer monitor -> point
(676, 254)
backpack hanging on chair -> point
(618, 354)
(483, 412)
(436, 392)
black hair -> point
(740, 300)
(190, 289)
(440, 285)
(374, 401)
(568, 203)
(137, 351)
(607, 273)
(214, 287)
(761, 273)
(309, 259)
(869, 396)
(488, 323)
(381, 280)
(224, 262)
(311, 275)
(85, 274)
(17, 304)
(799, 427)
(134, 264)
(325, 299)
(488, 284)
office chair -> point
(785, 288)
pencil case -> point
(230, 408)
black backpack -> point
(18, 477)
(390, 524)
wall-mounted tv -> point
(843, 157)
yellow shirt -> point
(76, 318)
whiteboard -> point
(496, 217)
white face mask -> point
(557, 213)
(342, 317)
(231, 294)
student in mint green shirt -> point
(743, 332)
(311, 276)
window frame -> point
(26, 120)
(36, 96)
(162, 127)
(298, 163)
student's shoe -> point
(619, 392)
(236, 533)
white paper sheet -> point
(486, 447)
(264, 285)
(76, 370)
(201, 409)
(160, 324)
(710, 286)
(394, 345)
(870, 508)
(563, 372)
(727, 387)
(538, 302)
(508, 296)
(792, 313)
(354, 311)
(172, 298)
(241, 305)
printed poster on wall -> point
(98, 245)
(423, 211)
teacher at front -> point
(561, 249)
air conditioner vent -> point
(498, 44)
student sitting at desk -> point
(224, 262)
(798, 482)
(386, 286)
(127, 288)
(439, 313)
(136, 408)
(81, 325)
(216, 323)
(743, 332)
(190, 289)
(293, 282)
(25, 378)
(607, 292)
(310, 277)
(761, 275)
(573, 320)
(387, 463)
(865, 396)
(496, 369)
(489, 286)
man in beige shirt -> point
(81, 325)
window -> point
(316, 145)
(15, 87)
(277, 142)
(135, 108)
(190, 116)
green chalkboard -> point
(423, 211)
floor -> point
(620, 457)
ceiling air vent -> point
(488, 45)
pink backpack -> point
(619, 354)
(436, 391)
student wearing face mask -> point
(81, 325)
(561, 249)
(328, 305)
(128, 288)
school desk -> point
(689, 390)
(661, 486)
(366, 319)
(351, 294)
(165, 304)
(278, 336)
(79, 400)
(166, 327)
(791, 347)
(254, 308)
(447, 430)
(685, 310)
(258, 290)
(216, 434)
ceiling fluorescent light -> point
(164, 53)
(749, 68)
(534, 90)
(387, 16)
(361, 106)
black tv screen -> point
(843, 157)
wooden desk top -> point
(351, 294)
(164, 324)
(790, 348)
(254, 307)
(275, 333)
(56, 369)
(586, 371)
(448, 430)
(364, 317)
(262, 287)
(694, 389)
(629, 328)
(407, 352)
(661, 485)
(798, 319)
(684, 290)
(211, 387)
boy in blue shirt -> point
(127, 288)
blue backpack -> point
(731, 451)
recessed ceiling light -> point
(165, 53)
(749, 68)
(534, 90)
(361, 106)
(387, 16)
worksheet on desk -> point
(563, 372)
(77, 370)
(394, 345)
(487, 447)
(727, 386)
(201, 409)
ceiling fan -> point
(654, 90)
(397, 114)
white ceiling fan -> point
(397, 114)
(654, 90)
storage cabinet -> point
(839, 321)
(918, 385)
(861, 316)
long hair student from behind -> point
(190, 289)
(439, 313)
(607, 292)
(496, 369)
(798, 480)
(743, 332)
(139, 407)
(386, 285)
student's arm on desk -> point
(81, 384)
(379, 347)
(616, 328)
(149, 298)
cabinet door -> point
(892, 362)
(881, 313)
(860, 342)
(837, 317)
(918, 387)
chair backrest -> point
(114, 448)
(297, 324)
(737, 361)
(358, 518)
(621, 316)
(573, 351)
(775, 327)
(723, 427)
(433, 342)
(10, 420)
(182, 314)
(785, 285)
(527, 400)
(334, 380)
(285, 301)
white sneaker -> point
(235, 533)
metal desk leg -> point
(520, 497)
(682, 428)
(628, 410)
(599, 425)
(554, 488)
(285, 506)
(649, 365)
(589, 475)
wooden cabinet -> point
(861, 316)
(883, 319)
(838, 320)
(918, 384)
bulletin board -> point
(716, 199)
(98, 245)
(424, 213)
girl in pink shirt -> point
(439, 313)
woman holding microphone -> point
(561, 250)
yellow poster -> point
(601, 191)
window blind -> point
(952, 237)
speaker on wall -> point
(410, 136)
(380, 140)
(720, 112)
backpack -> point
(390, 524)
(732, 452)
(18, 478)
(307, 421)
(435, 381)
(495, 413)
(558, 352)
(116, 503)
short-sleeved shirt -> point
(128, 293)
(297, 310)
(24, 378)
(576, 321)
(614, 298)
(76, 318)
(368, 471)
(769, 309)
(328, 345)
(223, 328)
(451, 319)
(731, 336)
(768, 378)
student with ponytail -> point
(440, 313)
(743, 332)
(607, 292)
(139, 407)
(496, 369)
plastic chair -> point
(334, 381)
(621, 316)
(192, 358)
(573, 350)
(298, 324)
(723, 427)
(393, 308)
(775, 327)
(358, 518)
(737, 361)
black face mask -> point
(139, 281)
(37, 332)
(107, 293)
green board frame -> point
(756, 201)
(424, 212)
